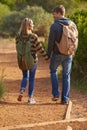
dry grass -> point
(7, 40)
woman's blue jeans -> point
(29, 75)
(66, 62)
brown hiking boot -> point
(55, 98)
(20, 98)
(65, 102)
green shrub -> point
(2, 85)
(4, 10)
(48, 5)
(42, 20)
(10, 3)
(80, 85)
(80, 60)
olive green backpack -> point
(24, 56)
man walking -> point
(56, 58)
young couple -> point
(53, 55)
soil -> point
(13, 112)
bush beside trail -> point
(4, 11)
(2, 85)
(80, 60)
(41, 18)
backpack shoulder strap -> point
(18, 38)
(61, 23)
(70, 24)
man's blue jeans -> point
(29, 75)
(66, 62)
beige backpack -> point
(69, 40)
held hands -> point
(48, 60)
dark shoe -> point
(20, 98)
(55, 98)
(65, 102)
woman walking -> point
(25, 31)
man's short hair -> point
(59, 9)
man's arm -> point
(51, 41)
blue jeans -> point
(29, 75)
(66, 62)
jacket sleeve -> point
(38, 47)
(51, 41)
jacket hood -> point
(64, 20)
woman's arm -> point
(37, 46)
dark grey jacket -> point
(55, 35)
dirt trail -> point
(14, 113)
